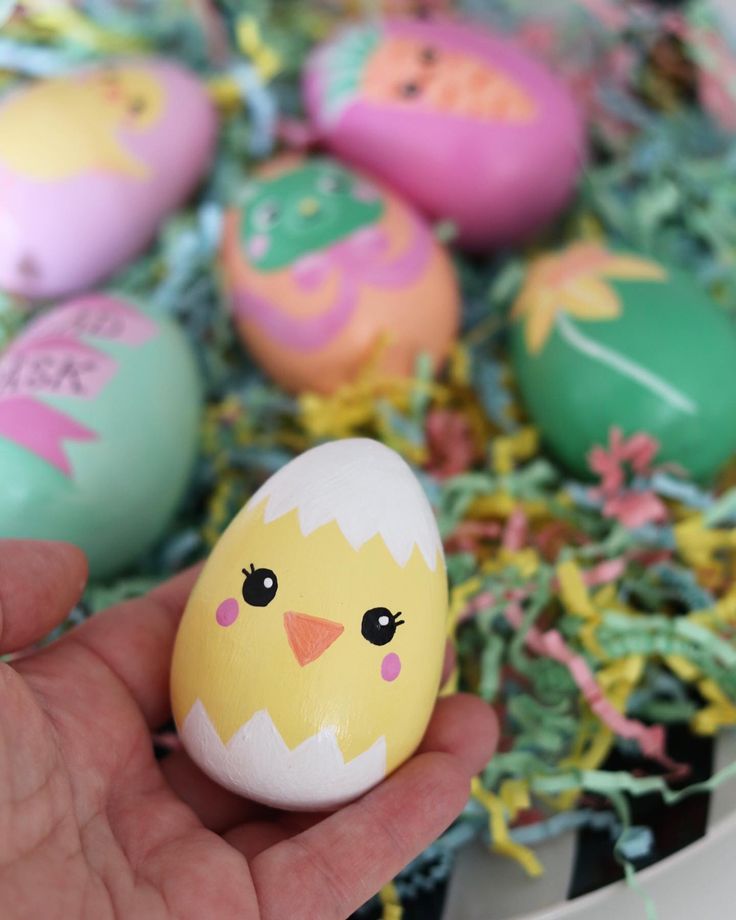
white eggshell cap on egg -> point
(363, 485)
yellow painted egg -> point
(309, 656)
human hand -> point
(92, 826)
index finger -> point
(40, 582)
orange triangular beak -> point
(309, 636)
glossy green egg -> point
(602, 338)
(99, 415)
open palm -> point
(92, 826)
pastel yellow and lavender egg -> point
(309, 656)
(326, 272)
(91, 162)
(603, 338)
(99, 416)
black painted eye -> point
(260, 586)
(266, 215)
(379, 625)
(137, 106)
(410, 89)
(428, 55)
(330, 184)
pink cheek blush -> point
(391, 667)
(227, 612)
(363, 191)
(258, 246)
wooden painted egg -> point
(325, 270)
(90, 164)
(603, 338)
(462, 122)
(309, 657)
(99, 415)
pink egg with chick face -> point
(91, 163)
(464, 123)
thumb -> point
(40, 582)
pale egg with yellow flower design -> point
(603, 338)
(309, 656)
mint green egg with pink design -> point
(99, 414)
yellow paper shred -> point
(683, 668)
(355, 408)
(458, 366)
(719, 714)
(590, 749)
(250, 41)
(620, 677)
(515, 797)
(451, 685)
(574, 592)
(460, 596)
(503, 505)
(390, 902)
(501, 841)
(606, 598)
(589, 640)
(722, 613)
(63, 21)
(225, 93)
(508, 450)
(699, 544)
(594, 740)
(525, 561)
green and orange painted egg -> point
(326, 272)
(603, 338)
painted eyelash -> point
(247, 572)
(395, 618)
